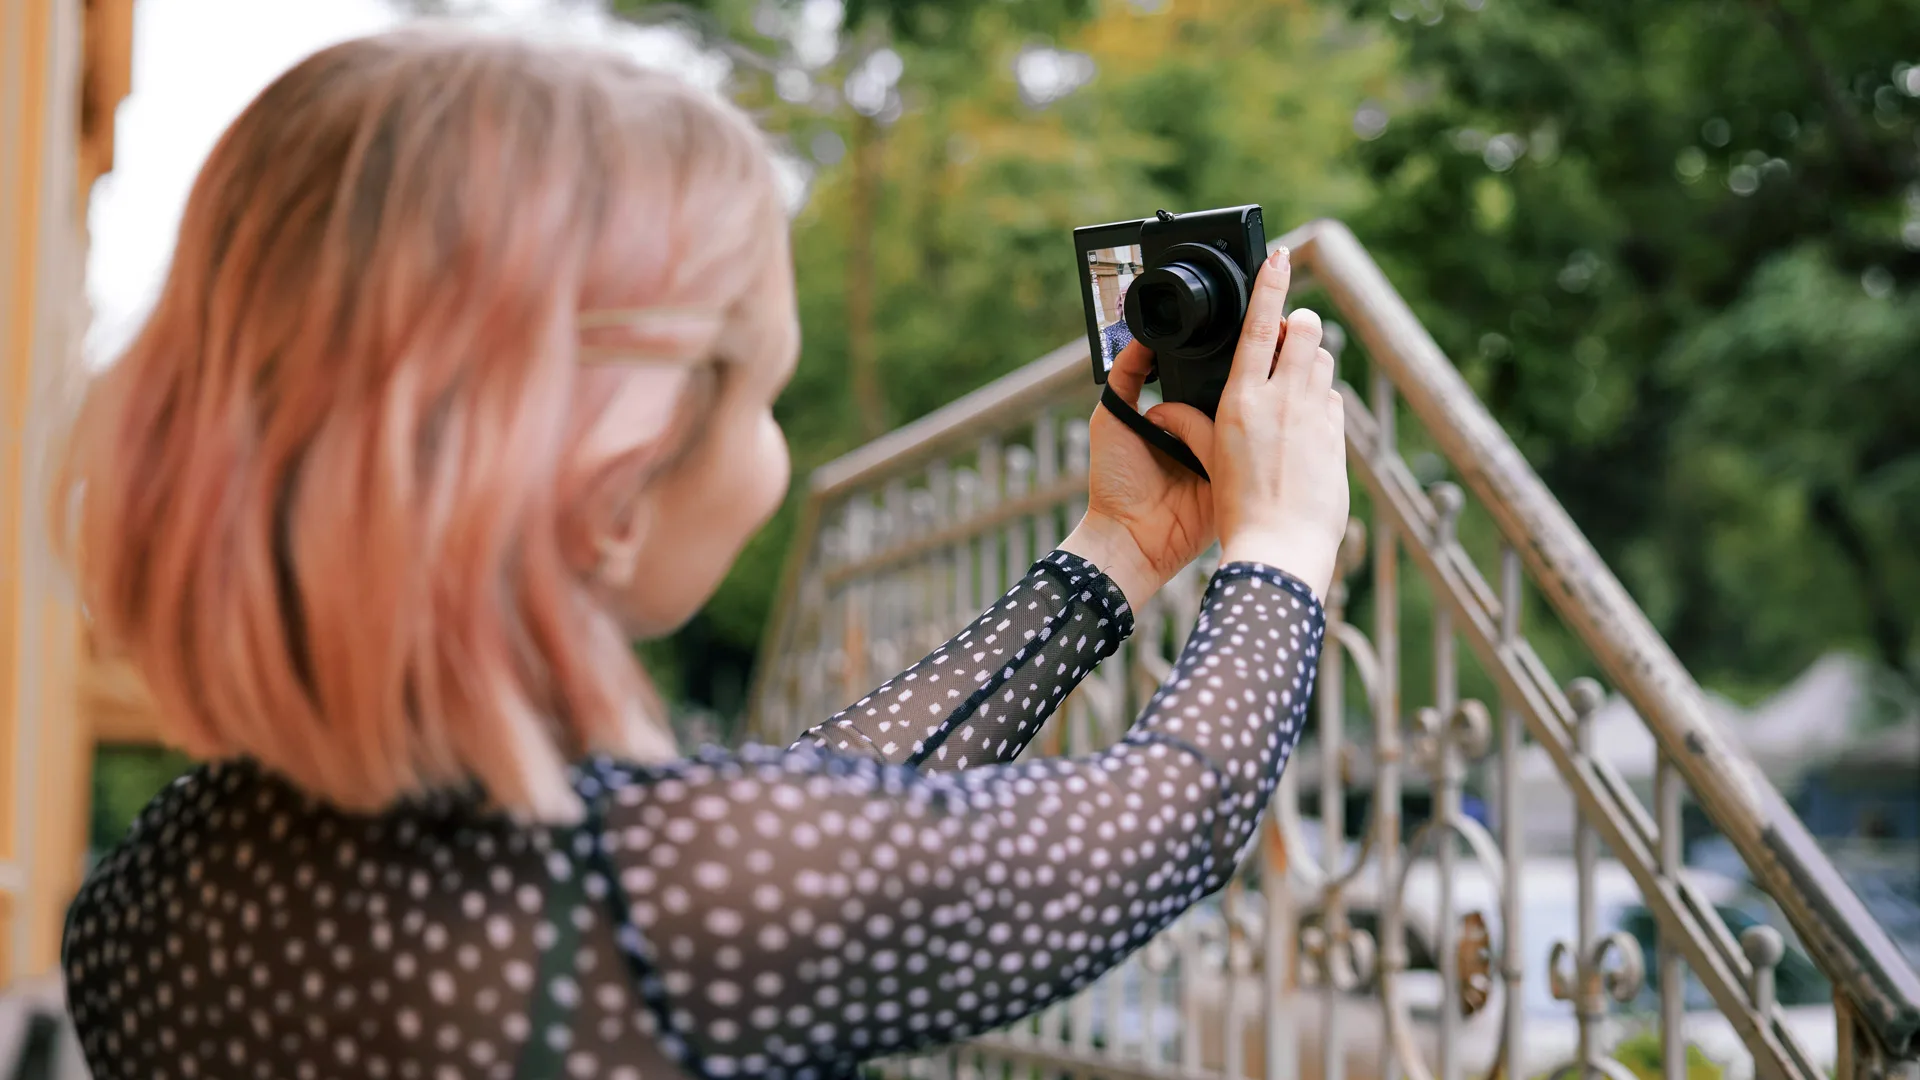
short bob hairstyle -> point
(329, 502)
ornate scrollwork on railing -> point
(1474, 961)
(1607, 968)
(1346, 960)
(1581, 976)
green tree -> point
(812, 60)
(1676, 248)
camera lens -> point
(1172, 306)
(1160, 307)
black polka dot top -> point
(890, 882)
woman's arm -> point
(1146, 519)
(813, 909)
(982, 696)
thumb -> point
(1189, 425)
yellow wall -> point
(64, 67)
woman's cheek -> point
(776, 467)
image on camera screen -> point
(1110, 271)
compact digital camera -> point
(1180, 284)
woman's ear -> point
(626, 419)
(617, 551)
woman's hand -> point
(1277, 452)
(1147, 515)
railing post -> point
(1764, 948)
(1046, 469)
(1513, 838)
(1076, 466)
(1591, 982)
(989, 463)
(1193, 1021)
(1448, 502)
(1588, 1009)
(855, 603)
(966, 499)
(1233, 1018)
(1672, 967)
(890, 652)
(1847, 1063)
(1281, 962)
(942, 611)
(1019, 531)
(928, 574)
(1859, 1054)
(1392, 946)
(1329, 691)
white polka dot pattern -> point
(753, 913)
(982, 697)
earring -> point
(619, 555)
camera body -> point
(1180, 284)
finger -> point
(1273, 362)
(1189, 425)
(1129, 372)
(1260, 332)
(1295, 365)
(1320, 373)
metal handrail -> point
(1850, 947)
(858, 526)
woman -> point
(1117, 335)
(462, 376)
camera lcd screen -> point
(1109, 261)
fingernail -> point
(1279, 257)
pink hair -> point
(332, 502)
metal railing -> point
(1358, 959)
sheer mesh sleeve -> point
(801, 912)
(982, 696)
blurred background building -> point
(64, 68)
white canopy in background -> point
(1805, 724)
(1809, 721)
(1622, 739)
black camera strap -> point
(1157, 438)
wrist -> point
(1108, 545)
(1305, 557)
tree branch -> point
(1872, 170)
(1885, 614)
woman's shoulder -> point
(240, 805)
(195, 794)
(207, 798)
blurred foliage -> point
(1641, 1055)
(1676, 248)
(125, 779)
